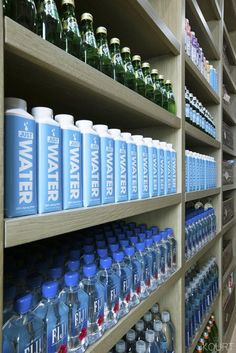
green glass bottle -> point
(163, 91)
(105, 64)
(140, 83)
(149, 89)
(71, 39)
(90, 50)
(6, 4)
(118, 65)
(157, 87)
(214, 330)
(24, 12)
(171, 98)
(49, 24)
(129, 70)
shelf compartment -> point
(230, 15)
(228, 225)
(196, 81)
(228, 80)
(228, 187)
(117, 332)
(202, 30)
(230, 269)
(229, 114)
(84, 90)
(228, 151)
(230, 329)
(23, 230)
(210, 9)
(230, 48)
(190, 196)
(196, 137)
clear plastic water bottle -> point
(156, 315)
(152, 346)
(77, 301)
(173, 248)
(147, 318)
(140, 346)
(145, 270)
(120, 347)
(130, 341)
(139, 328)
(167, 247)
(158, 250)
(111, 283)
(131, 260)
(160, 336)
(168, 330)
(152, 261)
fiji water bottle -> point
(124, 273)
(71, 162)
(54, 314)
(132, 166)
(96, 294)
(48, 161)
(76, 300)
(143, 167)
(152, 171)
(160, 336)
(23, 332)
(20, 159)
(169, 331)
(107, 164)
(152, 260)
(173, 248)
(121, 177)
(135, 265)
(152, 346)
(111, 283)
(139, 328)
(91, 164)
(144, 273)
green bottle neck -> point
(136, 65)
(146, 71)
(101, 39)
(68, 10)
(115, 49)
(86, 26)
(154, 78)
(126, 58)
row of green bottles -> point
(209, 341)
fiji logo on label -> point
(113, 293)
(58, 333)
(34, 347)
(80, 317)
(53, 167)
(97, 305)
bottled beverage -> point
(130, 341)
(147, 318)
(89, 50)
(143, 166)
(49, 26)
(139, 78)
(54, 314)
(71, 38)
(152, 346)
(23, 12)
(139, 328)
(157, 87)
(153, 167)
(118, 65)
(171, 98)
(149, 89)
(160, 336)
(140, 347)
(163, 91)
(105, 64)
(144, 273)
(77, 302)
(120, 347)
(135, 265)
(156, 315)
(130, 81)
(168, 331)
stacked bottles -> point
(154, 333)
(200, 228)
(196, 54)
(197, 115)
(57, 165)
(200, 172)
(201, 288)
(81, 289)
(209, 341)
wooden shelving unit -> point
(197, 195)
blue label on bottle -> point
(20, 166)
(168, 181)
(35, 346)
(161, 185)
(155, 172)
(79, 322)
(91, 169)
(143, 168)
(107, 170)
(121, 177)
(132, 171)
(57, 338)
(49, 168)
(72, 176)
(173, 163)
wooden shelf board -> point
(230, 48)
(23, 230)
(196, 82)
(202, 30)
(196, 137)
(228, 225)
(228, 80)
(210, 9)
(230, 15)
(85, 92)
(228, 151)
(230, 269)
(229, 115)
(117, 332)
(228, 187)
(195, 195)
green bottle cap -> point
(114, 41)
(145, 65)
(101, 30)
(136, 58)
(125, 50)
(86, 16)
(154, 71)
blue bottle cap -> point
(111, 240)
(49, 289)
(140, 246)
(124, 243)
(162, 234)
(55, 272)
(59, 260)
(23, 303)
(89, 270)
(88, 249)
(114, 247)
(73, 264)
(100, 243)
(148, 242)
(148, 233)
(169, 231)
(154, 230)
(102, 252)
(34, 280)
(159, 237)
(155, 238)
(143, 227)
(129, 233)
(71, 279)
(121, 236)
(105, 263)
(88, 259)
(118, 256)
(129, 251)
(133, 240)
(142, 236)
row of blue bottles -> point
(200, 291)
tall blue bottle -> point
(143, 167)
(20, 160)
(152, 167)
(54, 314)
(71, 162)
(107, 155)
(91, 164)
(48, 161)
(121, 176)
(77, 301)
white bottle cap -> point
(137, 138)
(165, 316)
(42, 113)
(84, 123)
(15, 103)
(139, 325)
(130, 336)
(65, 119)
(140, 346)
(155, 308)
(120, 346)
(147, 140)
(114, 132)
(148, 316)
(100, 128)
(150, 336)
(126, 135)
(156, 143)
(157, 325)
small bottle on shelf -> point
(149, 89)
(118, 65)
(140, 83)
(105, 64)
(130, 80)
(89, 49)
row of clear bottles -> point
(79, 290)
(209, 340)
(154, 333)
(62, 29)
(200, 227)
(201, 288)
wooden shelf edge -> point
(24, 230)
(228, 113)
(231, 84)
(230, 45)
(190, 196)
(230, 269)
(228, 334)
(117, 332)
(202, 137)
(228, 225)
(228, 150)
(228, 187)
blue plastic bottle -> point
(135, 265)
(91, 164)
(49, 188)
(71, 162)
(107, 154)
(54, 314)
(143, 167)
(20, 159)
(77, 301)
(152, 160)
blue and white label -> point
(143, 169)
(132, 171)
(107, 170)
(20, 166)
(121, 177)
(155, 172)
(57, 338)
(161, 179)
(174, 171)
(79, 320)
(91, 169)
(36, 346)
(168, 174)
